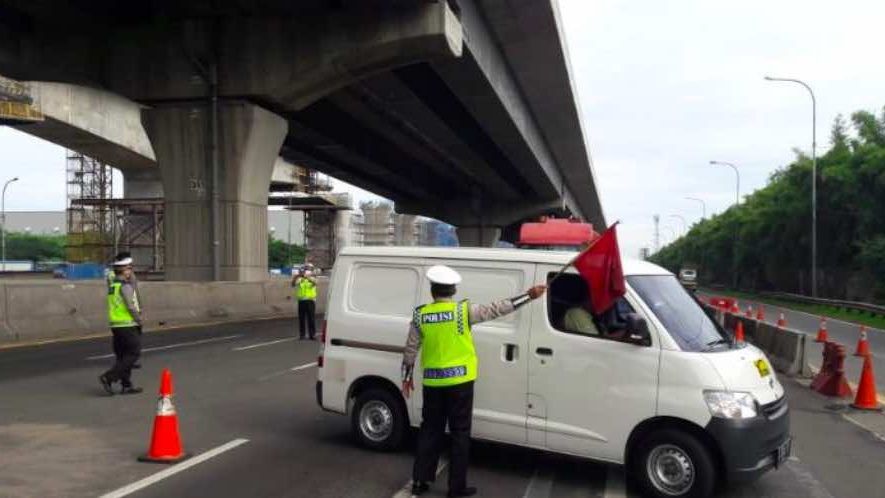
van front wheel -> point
(378, 420)
(673, 463)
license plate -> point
(763, 367)
(783, 452)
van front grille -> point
(776, 408)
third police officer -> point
(305, 284)
(124, 317)
(441, 331)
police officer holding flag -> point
(441, 331)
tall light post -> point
(703, 206)
(737, 188)
(684, 224)
(3, 219)
(813, 178)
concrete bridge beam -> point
(249, 141)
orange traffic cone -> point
(863, 346)
(735, 308)
(822, 331)
(781, 321)
(866, 398)
(749, 313)
(760, 313)
(165, 440)
(739, 331)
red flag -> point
(600, 267)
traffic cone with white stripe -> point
(735, 308)
(866, 398)
(739, 331)
(760, 313)
(781, 321)
(749, 312)
(863, 346)
(822, 331)
(165, 440)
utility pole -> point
(3, 218)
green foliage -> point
(25, 246)
(281, 254)
(764, 244)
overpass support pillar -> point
(249, 141)
(473, 236)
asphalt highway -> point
(245, 399)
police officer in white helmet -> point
(441, 330)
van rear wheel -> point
(378, 420)
(673, 463)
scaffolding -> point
(89, 226)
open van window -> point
(680, 314)
(567, 310)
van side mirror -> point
(637, 330)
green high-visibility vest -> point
(306, 290)
(448, 357)
(118, 313)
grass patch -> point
(860, 317)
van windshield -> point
(678, 311)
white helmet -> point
(444, 275)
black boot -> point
(106, 384)
(419, 488)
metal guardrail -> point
(873, 309)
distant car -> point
(688, 277)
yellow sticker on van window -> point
(762, 366)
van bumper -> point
(751, 447)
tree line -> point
(765, 242)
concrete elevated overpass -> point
(460, 110)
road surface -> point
(245, 394)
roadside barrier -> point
(830, 381)
(822, 336)
(35, 311)
(863, 345)
(165, 446)
(866, 398)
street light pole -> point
(3, 219)
(813, 179)
(703, 206)
(684, 224)
(737, 188)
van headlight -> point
(727, 404)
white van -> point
(659, 386)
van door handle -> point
(510, 352)
(544, 351)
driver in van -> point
(611, 323)
(441, 331)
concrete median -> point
(786, 348)
(35, 311)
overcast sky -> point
(664, 87)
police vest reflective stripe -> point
(118, 313)
(447, 353)
(306, 290)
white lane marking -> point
(159, 476)
(875, 434)
(406, 491)
(540, 486)
(302, 367)
(615, 484)
(283, 372)
(172, 346)
(262, 344)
